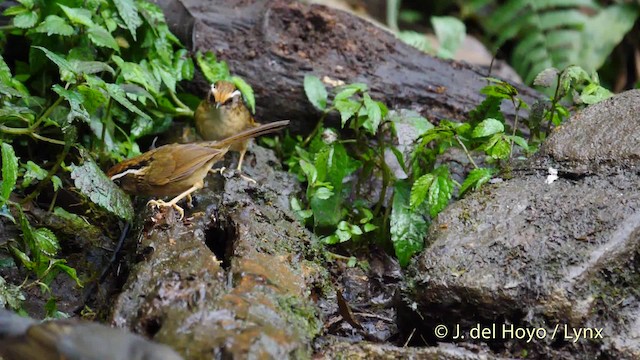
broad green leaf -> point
(94, 184)
(165, 72)
(212, 70)
(91, 67)
(11, 295)
(33, 172)
(26, 20)
(408, 228)
(46, 241)
(500, 149)
(247, 92)
(488, 127)
(347, 108)
(440, 191)
(101, 37)
(78, 16)
(450, 32)
(475, 179)
(55, 25)
(119, 95)
(309, 171)
(419, 190)
(520, 141)
(129, 14)
(345, 94)
(15, 10)
(69, 271)
(76, 101)
(28, 237)
(9, 172)
(323, 193)
(315, 91)
(62, 63)
(374, 114)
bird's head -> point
(222, 93)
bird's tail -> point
(246, 134)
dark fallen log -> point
(274, 44)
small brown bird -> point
(178, 169)
(222, 114)
(26, 339)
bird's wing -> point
(181, 163)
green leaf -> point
(347, 108)
(212, 70)
(316, 92)
(11, 295)
(323, 193)
(520, 141)
(408, 228)
(46, 241)
(440, 191)
(420, 189)
(374, 114)
(129, 14)
(76, 101)
(475, 179)
(62, 63)
(33, 172)
(119, 95)
(488, 127)
(165, 72)
(247, 92)
(101, 37)
(55, 25)
(78, 16)
(69, 271)
(498, 147)
(26, 20)
(93, 183)
(9, 172)
(91, 67)
(450, 32)
(309, 171)
(28, 237)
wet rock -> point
(384, 351)
(558, 260)
(235, 279)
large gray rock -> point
(551, 258)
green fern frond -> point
(555, 33)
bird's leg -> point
(239, 168)
(173, 203)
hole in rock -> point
(220, 238)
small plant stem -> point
(29, 132)
(515, 125)
(50, 174)
(464, 148)
(46, 113)
(554, 101)
(182, 109)
(316, 129)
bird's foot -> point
(160, 203)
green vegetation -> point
(79, 89)
(87, 86)
(532, 35)
(413, 186)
